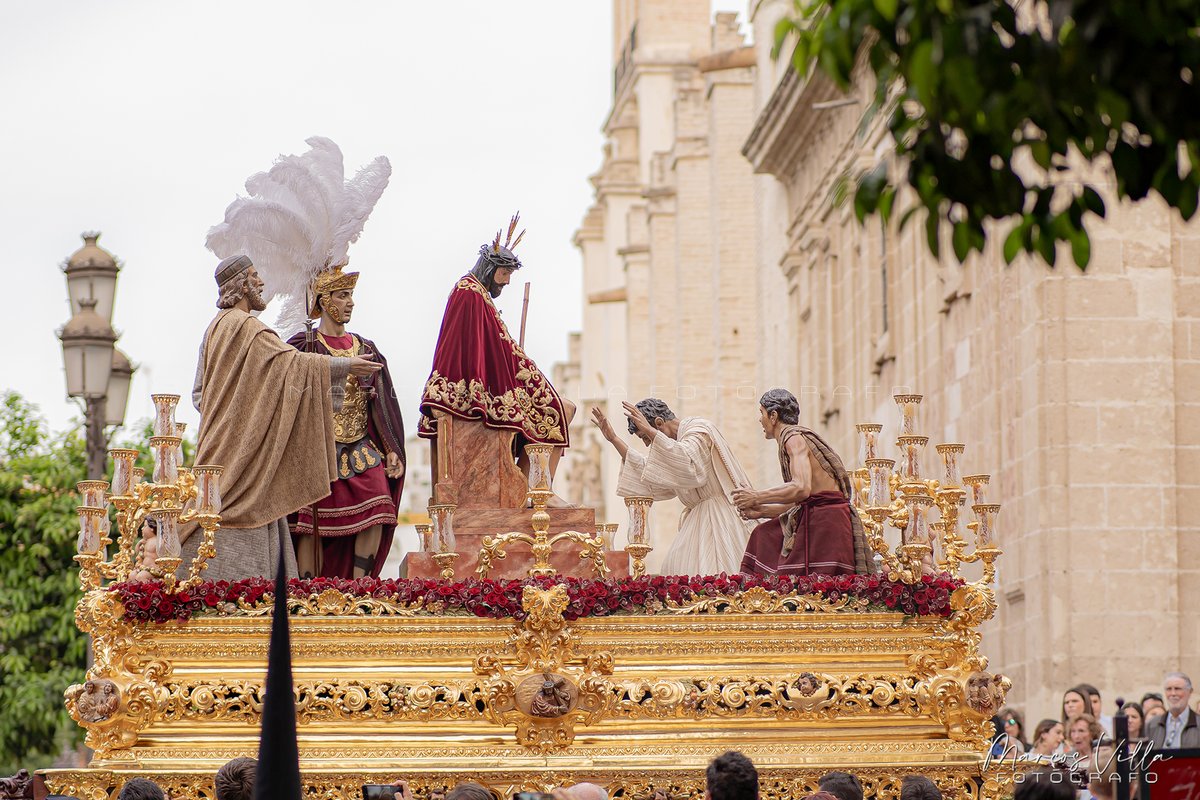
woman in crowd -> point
(1074, 703)
(1047, 739)
(1137, 720)
(1082, 733)
(1014, 730)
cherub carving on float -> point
(807, 693)
(147, 553)
(266, 409)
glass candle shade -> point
(539, 466)
(166, 458)
(911, 448)
(639, 519)
(122, 477)
(985, 523)
(937, 538)
(180, 427)
(978, 486)
(164, 413)
(918, 518)
(879, 491)
(425, 534)
(168, 531)
(88, 542)
(950, 478)
(868, 441)
(92, 494)
(608, 532)
(858, 479)
(139, 475)
(208, 488)
(908, 405)
(441, 518)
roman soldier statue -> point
(354, 525)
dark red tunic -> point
(480, 372)
(364, 497)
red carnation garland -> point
(500, 599)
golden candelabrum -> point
(541, 543)
(123, 690)
(904, 498)
(175, 496)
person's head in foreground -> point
(731, 776)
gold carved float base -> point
(636, 703)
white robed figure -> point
(688, 459)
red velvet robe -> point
(480, 372)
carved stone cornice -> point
(788, 117)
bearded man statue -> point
(481, 373)
(266, 415)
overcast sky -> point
(143, 120)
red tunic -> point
(361, 497)
(480, 372)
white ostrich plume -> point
(297, 220)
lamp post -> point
(97, 372)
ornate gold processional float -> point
(634, 683)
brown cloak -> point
(266, 416)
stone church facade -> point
(716, 265)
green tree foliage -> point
(972, 86)
(41, 650)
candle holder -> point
(93, 494)
(208, 488)
(123, 461)
(164, 414)
(425, 534)
(950, 456)
(169, 548)
(868, 440)
(541, 543)
(911, 448)
(441, 518)
(166, 459)
(908, 404)
(608, 532)
(638, 546)
(977, 485)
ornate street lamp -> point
(92, 273)
(117, 396)
(97, 372)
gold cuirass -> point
(349, 424)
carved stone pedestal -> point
(474, 469)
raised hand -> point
(639, 420)
(601, 422)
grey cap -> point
(232, 267)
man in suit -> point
(1179, 727)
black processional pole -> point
(1121, 734)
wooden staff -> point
(524, 314)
